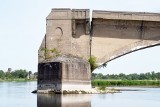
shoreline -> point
(127, 88)
(99, 84)
(17, 80)
(126, 83)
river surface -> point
(18, 94)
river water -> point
(18, 94)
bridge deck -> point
(117, 15)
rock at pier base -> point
(91, 91)
(35, 91)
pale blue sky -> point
(22, 28)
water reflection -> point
(58, 100)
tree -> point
(158, 75)
(153, 75)
(36, 74)
(122, 76)
(100, 76)
(94, 76)
(8, 75)
(134, 76)
(148, 76)
(29, 73)
(20, 73)
(2, 74)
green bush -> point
(100, 83)
(93, 63)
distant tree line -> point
(134, 76)
(17, 74)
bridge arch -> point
(140, 45)
(115, 34)
(140, 61)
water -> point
(18, 94)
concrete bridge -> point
(72, 36)
(118, 33)
(107, 35)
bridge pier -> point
(65, 73)
(64, 52)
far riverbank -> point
(139, 83)
(17, 80)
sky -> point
(23, 26)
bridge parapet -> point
(117, 15)
(60, 14)
(68, 14)
(80, 14)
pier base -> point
(64, 73)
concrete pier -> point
(64, 73)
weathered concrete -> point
(67, 32)
(115, 34)
(69, 42)
(64, 73)
(119, 15)
(64, 51)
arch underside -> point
(139, 45)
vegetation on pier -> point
(93, 63)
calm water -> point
(18, 94)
